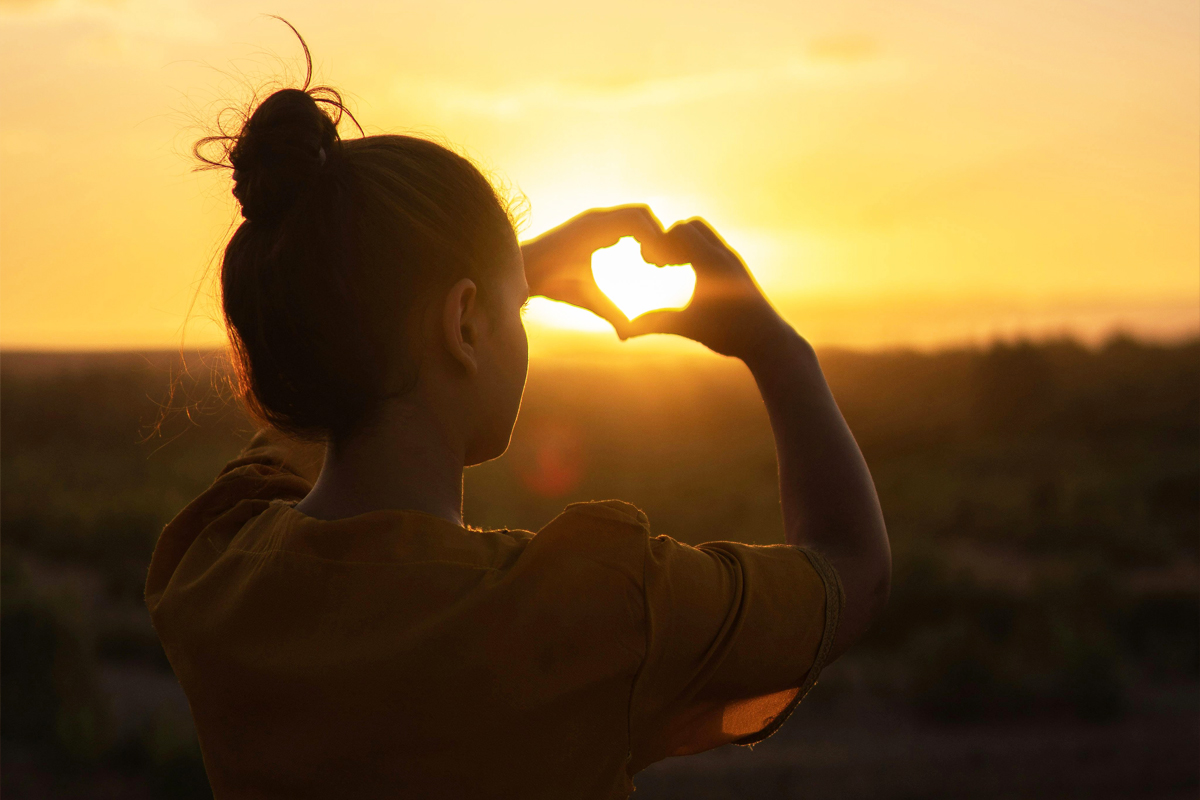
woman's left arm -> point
(276, 449)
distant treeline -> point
(1043, 501)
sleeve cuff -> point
(835, 598)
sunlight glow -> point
(544, 313)
(891, 174)
(637, 287)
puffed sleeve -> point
(275, 449)
(272, 466)
(736, 634)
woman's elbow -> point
(867, 585)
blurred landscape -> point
(1043, 500)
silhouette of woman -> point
(336, 628)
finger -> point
(637, 215)
(607, 226)
(641, 223)
(663, 321)
(719, 245)
(689, 244)
(707, 232)
(659, 252)
(602, 306)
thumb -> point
(661, 321)
(600, 304)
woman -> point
(337, 629)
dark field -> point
(1043, 638)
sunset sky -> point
(895, 173)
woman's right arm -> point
(828, 497)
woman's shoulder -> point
(616, 511)
(599, 536)
(607, 521)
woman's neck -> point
(404, 462)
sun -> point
(637, 287)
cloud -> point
(850, 48)
(657, 92)
(158, 20)
(22, 142)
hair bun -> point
(281, 147)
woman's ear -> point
(461, 324)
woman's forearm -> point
(829, 502)
(828, 497)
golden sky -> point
(900, 172)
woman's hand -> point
(728, 312)
(558, 264)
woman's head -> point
(363, 268)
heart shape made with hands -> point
(637, 287)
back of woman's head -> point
(342, 242)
